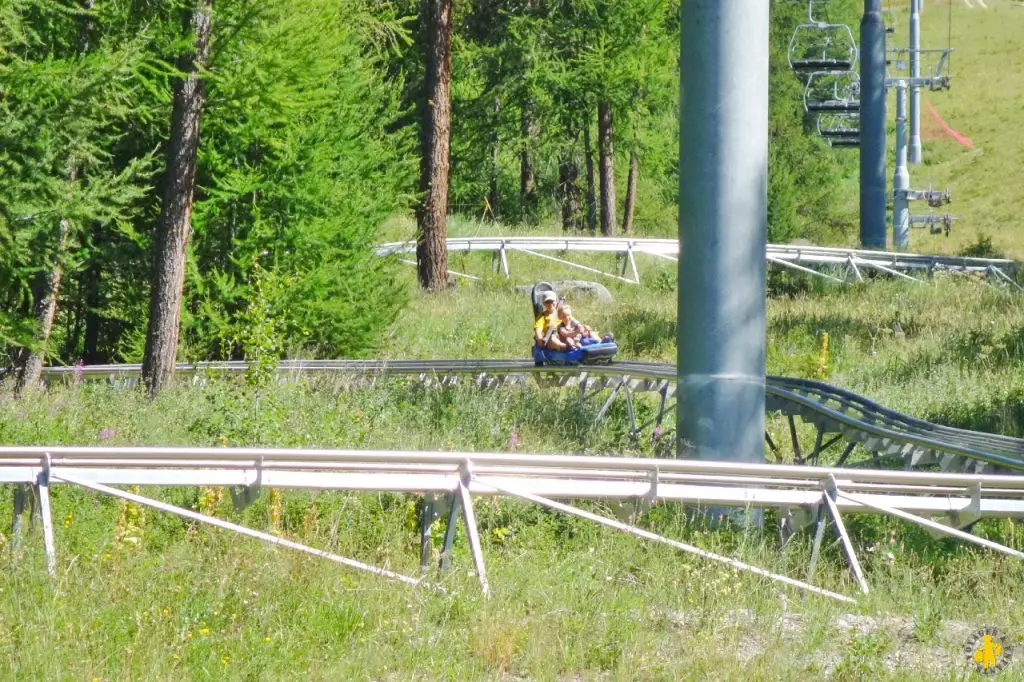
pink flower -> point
(106, 434)
(513, 441)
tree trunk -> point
(605, 135)
(492, 193)
(175, 223)
(634, 169)
(568, 174)
(527, 173)
(432, 211)
(46, 291)
(92, 287)
(588, 151)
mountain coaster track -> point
(838, 415)
(831, 263)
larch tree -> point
(435, 137)
(65, 99)
(606, 166)
(175, 223)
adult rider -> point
(546, 324)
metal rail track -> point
(838, 414)
(843, 264)
(630, 486)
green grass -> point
(572, 601)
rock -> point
(575, 289)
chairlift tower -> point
(872, 125)
(902, 194)
(908, 146)
(910, 62)
(723, 214)
(845, 95)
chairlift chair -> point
(839, 130)
(821, 46)
(833, 93)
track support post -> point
(454, 507)
(469, 516)
(430, 512)
(829, 499)
(43, 495)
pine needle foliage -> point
(296, 173)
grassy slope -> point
(571, 602)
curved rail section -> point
(836, 264)
(801, 494)
(836, 415)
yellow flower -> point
(204, 630)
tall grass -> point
(168, 599)
(140, 594)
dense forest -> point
(196, 179)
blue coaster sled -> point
(593, 354)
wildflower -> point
(107, 433)
(79, 369)
(225, 659)
(266, 640)
(68, 519)
(204, 629)
(513, 441)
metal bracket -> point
(935, 223)
(243, 496)
(965, 517)
(936, 198)
(503, 257)
(852, 267)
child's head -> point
(564, 313)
